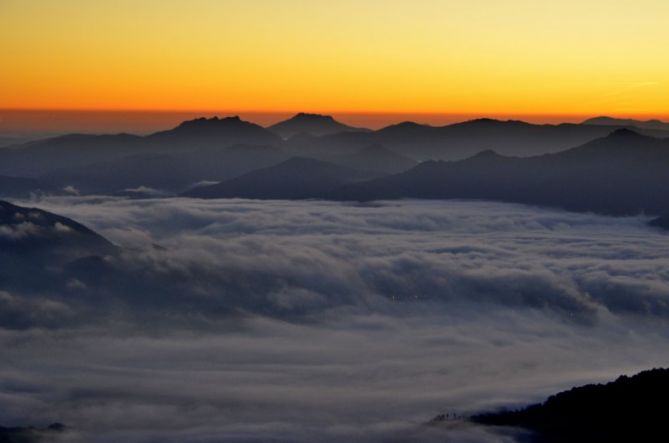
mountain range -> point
(623, 173)
(458, 141)
(612, 169)
(43, 157)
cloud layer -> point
(291, 257)
(314, 321)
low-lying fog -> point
(343, 323)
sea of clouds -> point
(249, 321)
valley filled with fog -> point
(297, 321)
(305, 221)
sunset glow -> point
(503, 58)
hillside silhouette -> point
(29, 434)
(630, 409)
(623, 173)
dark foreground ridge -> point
(29, 434)
(630, 409)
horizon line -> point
(328, 111)
(55, 121)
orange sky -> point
(438, 59)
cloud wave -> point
(248, 321)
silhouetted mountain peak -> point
(406, 125)
(625, 132)
(484, 120)
(312, 124)
(214, 125)
(599, 118)
(304, 116)
(214, 122)
(406, 129)
(215, 131)
(491, 122)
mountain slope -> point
(295, 178)
(27, 230)
(377, 158)
(313, 124)
(624, 173)
(169, 172)
(628, 409)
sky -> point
(541, 60)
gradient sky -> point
(513, 57)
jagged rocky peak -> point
(207, 122)
(309, 116)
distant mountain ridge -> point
(312, 124)
(458, 141)
(628, 122)
(37, 158)
(623, 173)
(218, 149)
